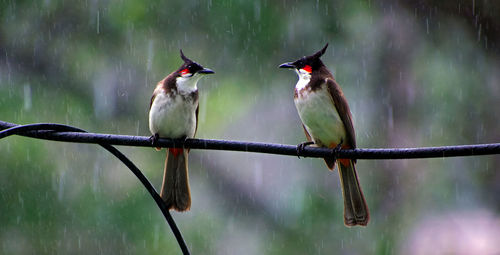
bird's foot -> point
(336, 150)
(180, 141)
(154, 140)
(300, 148)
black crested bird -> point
(327, 122)
(173, 113)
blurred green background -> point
(423, 73)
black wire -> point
(50, 127)
(66, 133)
(280, 149)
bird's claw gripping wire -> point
(336, 150)
(301, 146)
(154, 140)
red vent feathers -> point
(176, 151)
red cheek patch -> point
(307, 68)
(185, 71)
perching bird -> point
(173, 113)
(327, 122)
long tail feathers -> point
(175, 187)
(355, 208)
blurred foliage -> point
(418, 73)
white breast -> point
(304, 78)
(319, 115)
(173, 116)
(302, 83)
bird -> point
(327, 122)
(173, 113)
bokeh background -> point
(415, 73)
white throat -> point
(304, 78)
(188, 84)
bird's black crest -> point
(186, 60)
(320, 52)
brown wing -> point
(308, 136)
(196, 129)
(196, 112)
(159, 87)
(343, 110)
(152, 99)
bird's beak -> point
(206, 71)
(287, 65)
